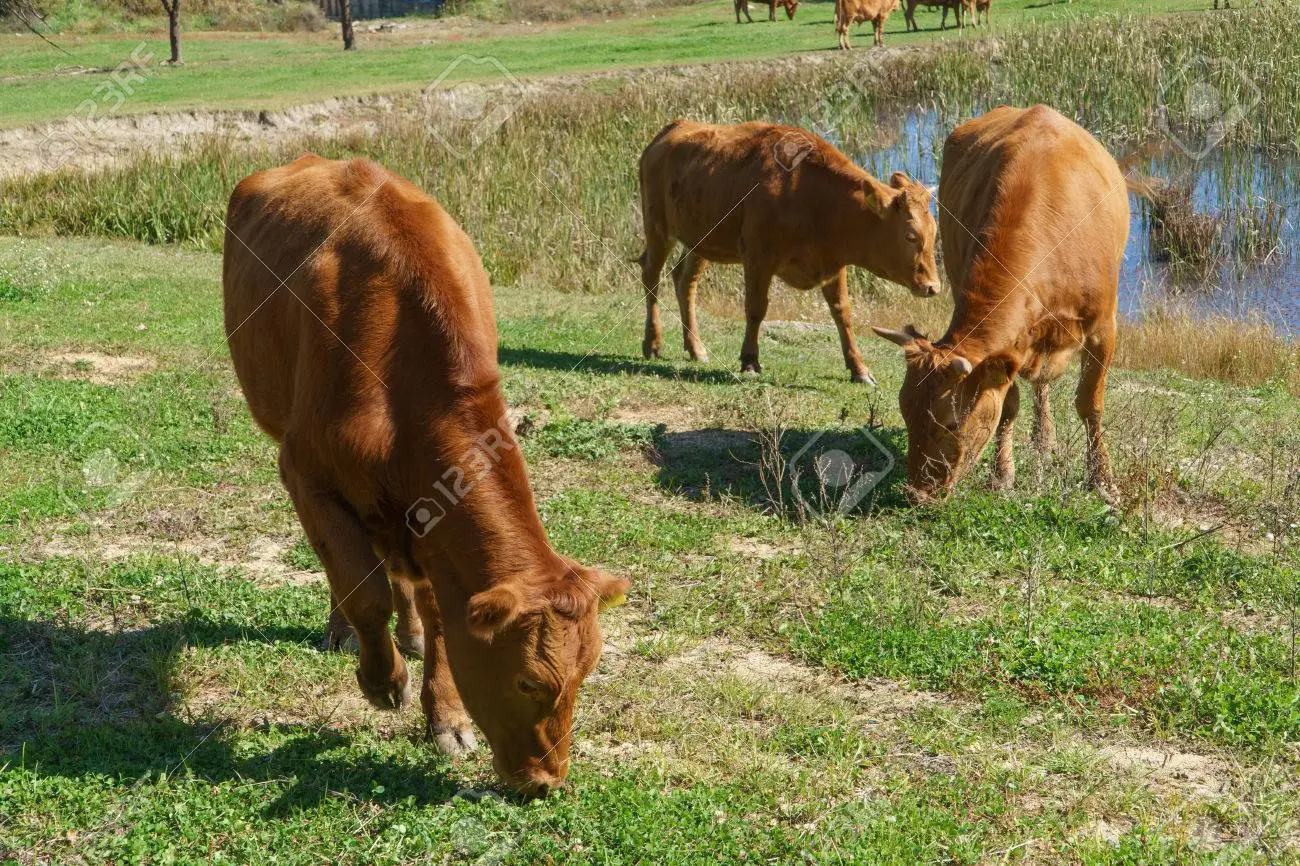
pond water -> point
(1227, 184)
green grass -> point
(267, 71)
(959, 683)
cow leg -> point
(909, 16)
(410, 626)
(447, 722)
(836, 292)
(771, 10)
(879, 24)
(758, 282)
(357, 579)
(1043, 435)
(1004, 464)
(1090, 401)
(338, 631)
(652, 265)
(844, 37)
(686, 277)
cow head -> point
(951, 407)
(905, 254)
(519, 655)
(790, 7)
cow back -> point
(355, 309)
(1030, 202)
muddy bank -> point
(96, 144)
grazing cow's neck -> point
(863, 224)
(989, 312)
(492, 532)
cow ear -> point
(493, 610)
(899, 180)
(997, 371)
(610, 589)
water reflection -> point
(1222, 184)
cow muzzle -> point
(532, 781)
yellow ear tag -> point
(613, 602)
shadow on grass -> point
(826, 468)
(76, 702)
(613, 365)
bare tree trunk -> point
(345, 16)
(173, 8)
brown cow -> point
(361, 325)
(1034, 217)
(976, 8)
(850, 12)
(909, 14)
(785, 203)
(790, 7)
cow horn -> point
(962, 365)
(900, 338)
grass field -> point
(268, 71)
(1032, 677)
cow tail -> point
(1146, 186)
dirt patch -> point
(98, 367)
(1186, 773)
(786, 331)
(675, 417)
(758, 549)
(878, 699)
(709, 440)
(1129, 386)
(262, 559)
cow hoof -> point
(752, 368)
(864, 378)
(389, 696)
(411, 645)
(342, 639)
(453, 740)
(700, 357)
(1106, 489)
(648, 351)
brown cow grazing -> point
(361, 325)
(783, 202)
(909, 13)
(789, 5)
(1034, 217)
(850, 12)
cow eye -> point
(912, 237)
(528, 687)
